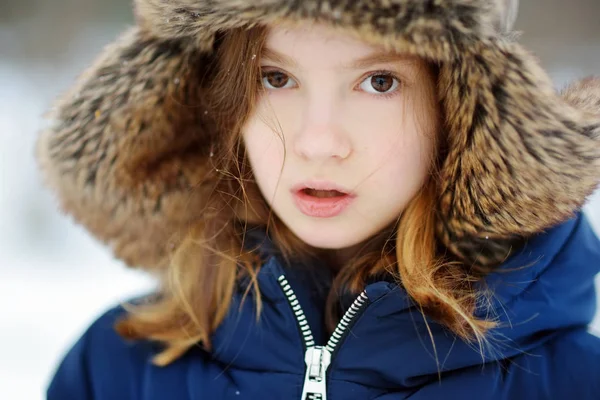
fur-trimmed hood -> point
(125, 150)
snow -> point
(54, 278)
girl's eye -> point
(276, 80)
(380, 83)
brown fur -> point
(584, 95)
(130, 140)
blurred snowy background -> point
(54, 278)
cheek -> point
(265, 151)
(398, 149)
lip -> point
(321, 207)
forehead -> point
(293, 39)
(328, 46)
(311, 31)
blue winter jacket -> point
(381, 350)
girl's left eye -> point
(380, 83)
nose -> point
(321, 135)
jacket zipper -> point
(318, 358)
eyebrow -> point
(277, 57)
(361, 63)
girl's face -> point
(343, 137)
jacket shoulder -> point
(573, 361)
(101, 364)
(565, 367)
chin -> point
(332, 239)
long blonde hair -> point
(198, 286)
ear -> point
(128, 145)
(520, 159)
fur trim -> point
(126, 148)
(123, 152)
(448, 21)
(584, 95)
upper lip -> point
(320, 185)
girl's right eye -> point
(276, 80)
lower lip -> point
(321, 207)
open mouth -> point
(325, 201)
(323, 194)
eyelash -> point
(385, 95)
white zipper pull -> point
(317, 359)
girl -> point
(341, 199)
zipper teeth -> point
(340, 329)
(347, 319)
(307, 335)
